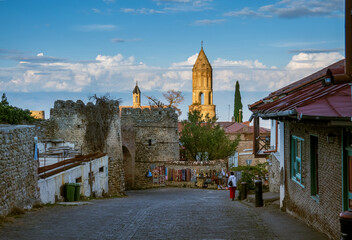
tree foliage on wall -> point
(13, 115)
(203, 139)
(99, 117)
(238, 104)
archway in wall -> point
(128, 167)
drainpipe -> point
(347, 76)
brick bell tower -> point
(202, 86)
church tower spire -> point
(202, 86)
(136, 96)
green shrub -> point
(13, 115)
(251, 173)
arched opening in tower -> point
(201, 98)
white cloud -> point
(185, 64)
(40, 54)
(118, 40)
(140, 11)
(246, 12)
(293, 9)
(96, 27)
(119, 73)
(208, 22)
(185, 5)
(242, 63)
(313, 60)
(96, 10)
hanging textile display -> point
(188, 175)
(156, 176)
(194, 175)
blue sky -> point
(70, 49)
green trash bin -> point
(77, 191)
(70, 191)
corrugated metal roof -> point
(308, 97)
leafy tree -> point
(203, 139)
(4, 101)
(13, 115)
(238, 104)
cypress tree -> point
(238, 104)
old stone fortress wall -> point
(152, 133)
(139, 140)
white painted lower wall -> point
(50, 187)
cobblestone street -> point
(166, 213)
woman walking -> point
(232, 184)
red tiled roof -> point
(308, 97)
(242, 128)
(225, 124)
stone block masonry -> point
(70, 124)
(18, 169)
(274, 174)
(322, 212)
(151, 137)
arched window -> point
(201, 98)
(137, 99)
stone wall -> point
(18, 169)
(67, 123)
(151, 137)
(274, 174)
(322, 213)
